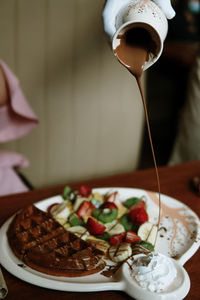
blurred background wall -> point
(89, 107)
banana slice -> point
(61, 212)
(116, 229)
(60, 221)
(110, 225)
(121, 211)
(98, 196)
(66, 225)
(80, 231)
(99, 244)
(148, 232)
(120, 252)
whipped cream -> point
(154, 272)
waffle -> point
(44, 245)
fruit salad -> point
(115, 227)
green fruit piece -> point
(104, 236)
(108, 215)
(128, 225)
(96, 212)
(67, 193)
(105, 215)
(125, 221)
(131, 201)
(74, 220)
(147, 245)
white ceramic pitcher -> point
(142, 14)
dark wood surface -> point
(174, 182)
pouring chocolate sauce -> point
(137, 29)
(133, 51)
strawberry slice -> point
(140, 204)
(138, 215)
(133, 214)
(142, 217)
(94, 227)
(109, 205)
(85, 191)
(131, 237)
(117, 239)
(85, 209)
(114, 198)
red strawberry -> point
(140, 204)
(110, 205)
(117, 239)
(131, 237)
(94, 227)
(142, 216)
(85, 209)
(85, 191)
(133, 214)
(138, 215)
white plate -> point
(179, 237)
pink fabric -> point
(10, 182)
(16, 118)
(12, 160)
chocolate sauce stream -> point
(138, 79)
(133, 51)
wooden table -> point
(174, 182)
